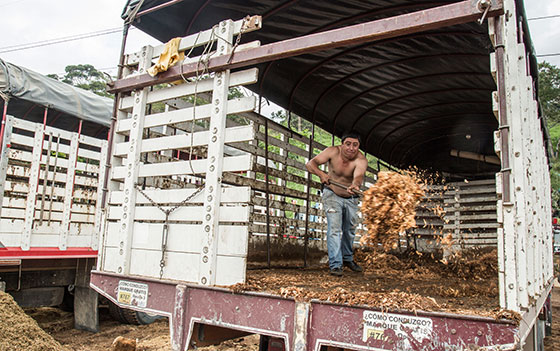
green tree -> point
(549, 92)
(549, 97)
(85, 77)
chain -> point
(166, 212)
(238, 39)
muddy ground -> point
(155, 337)
(466, 284)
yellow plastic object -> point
(169, 57)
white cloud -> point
(29, 21)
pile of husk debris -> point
(389, 208)
(19, 332)
(465, 282)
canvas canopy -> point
(414, 98)
(28, 92)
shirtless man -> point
(347, 165)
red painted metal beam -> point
(47, 252)
(442, 16)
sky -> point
(36, 21)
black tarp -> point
(413, 98)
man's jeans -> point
(342, 219)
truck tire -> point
(139, 318)
(128, 316)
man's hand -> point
(325, 178)
(353, 189)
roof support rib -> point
(437, 17)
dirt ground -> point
(465, 284)
(155, 337)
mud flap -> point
(86, 316)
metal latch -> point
(484, 5)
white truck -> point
(52, 164)
(195, 196)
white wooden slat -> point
(21, 171)
(15, 226)
(231, 164)
(110, 257)
(20, 203)
(25, 140)
(230, 270)
(190, 213)
(4, 156)
(183, 238)
(18, 213)
(195, 40)
(170, 196)
(64, 134)
(239, 105)
(235, 134)
(178, 265)
(52, 240)
(62, 163)
(238, 78)
(489, 225)
(45, 240)
(19, 187)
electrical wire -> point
(543, 17)
(41, 43)
(548, 55)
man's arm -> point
(323, 157)
(358, 176)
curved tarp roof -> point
(29, 91)
(413, 98)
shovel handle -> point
(340, 185)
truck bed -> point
(465, 284)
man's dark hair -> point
(353, 135)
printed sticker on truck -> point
(131, 293)
(379, 325)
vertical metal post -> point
(213, 184)
(308, 196)
(2, 128)
(133, 160)
(267, 193)
(69, 191)
(110, 134)
(33, 183)
(46, 178)
(4, 155)
(94, 244)
(503, 115)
